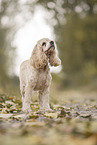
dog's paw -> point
(50, 110)
(43, 110)
(26, 110)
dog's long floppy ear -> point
(38, 58)
(54, 59)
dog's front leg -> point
(27, 99)
(44, 100)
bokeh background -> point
(73, 26)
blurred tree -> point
(8, 11)
(76, 38)
(5, 36)
(13, 15)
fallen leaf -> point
(9, 102)
(85, 115)
(35, 124)
(5, 116)
(51, 115)
(20, 116)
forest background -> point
(74, 24)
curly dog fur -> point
(35, 74)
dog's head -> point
(47, 46)
(44, 52)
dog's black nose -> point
(52, 42)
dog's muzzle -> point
(50, 50)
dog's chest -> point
(42, 80)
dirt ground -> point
(72, 122)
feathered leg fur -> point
(44, 100)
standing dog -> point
(35, 74)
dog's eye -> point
(43, 44)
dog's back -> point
(23, 70)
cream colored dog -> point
(35, 74)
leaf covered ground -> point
(72, 123)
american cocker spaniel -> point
(35, 74)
